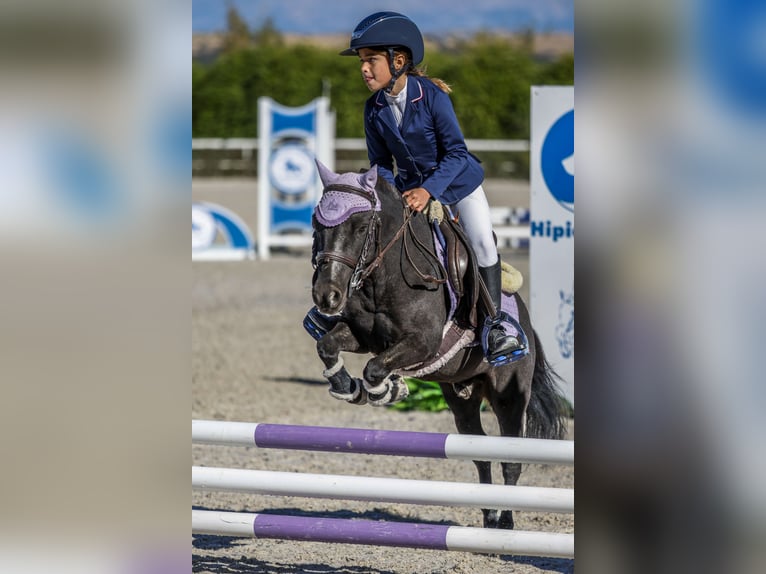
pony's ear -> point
(370, 177)
(325, 174)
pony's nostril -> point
(334, 298)
(328, 300)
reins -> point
(359, 276)
(406, 225)
(425, 277)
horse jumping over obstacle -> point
(382, 533)
(378, 279)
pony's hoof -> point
(357, 396)
(395, 390)
(502, 520)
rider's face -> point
(375, 69)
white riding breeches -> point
(476, 221)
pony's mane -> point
(384, 187)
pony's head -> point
(345, 234)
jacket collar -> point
(414, 92)
(414, 95)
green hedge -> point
(490, 78)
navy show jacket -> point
(429, 148)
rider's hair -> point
(420, 71)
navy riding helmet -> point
(387, 30)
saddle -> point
(462, 270)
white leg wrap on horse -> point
(377, 389)
(358, 395)
(392, 390)
(327, 373)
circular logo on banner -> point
(203, 228)
(292, 169)
(557, 160)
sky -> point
(434, 16)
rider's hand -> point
(417, 198)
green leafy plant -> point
(424, 396)
(427, 396)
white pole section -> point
(509, 449)
(222, 523)
(223, 433)
(491, 541)
(531, 498)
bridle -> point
(361, 268)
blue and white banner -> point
(289, 139)
(219, 234)
(551, 227)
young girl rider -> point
(409, 122)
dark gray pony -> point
(380, 282)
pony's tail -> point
(547, 411)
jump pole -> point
(400, 443)
(400, 534)
(397, 490)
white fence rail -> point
(247, 148)
(247, 145)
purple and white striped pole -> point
(400, 443)
(400, 534)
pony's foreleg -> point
(342, 385)
(383, 386)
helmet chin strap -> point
(395, 74)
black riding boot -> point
(500, 345)
(318, 325)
